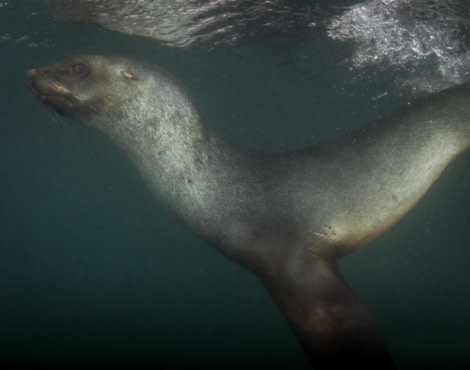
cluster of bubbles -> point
(427, 39)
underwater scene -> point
(95, 271)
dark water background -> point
(92, 268)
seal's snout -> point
(41, 85)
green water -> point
(94, 270)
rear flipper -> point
(330, 322)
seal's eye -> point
(78, 69)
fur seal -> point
(287, 217)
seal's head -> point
(80, 87)
(99, 89)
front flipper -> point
(330, 322)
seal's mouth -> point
(51, 93)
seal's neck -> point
(189, 168)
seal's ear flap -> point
(330, 322)
(129, 76)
